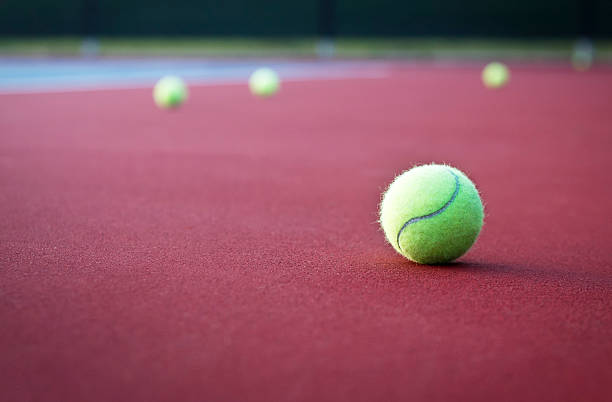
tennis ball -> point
(264, 82)
(495, 75)
(583, 55)
(431, 214)
(170, 92)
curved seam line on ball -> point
(431, 215)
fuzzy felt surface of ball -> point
(431, 214)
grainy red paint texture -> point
(230, 250)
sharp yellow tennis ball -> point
(170, 92)
(264, 82)
(495, 75)
(431, 214)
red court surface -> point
(229, 251)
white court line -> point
(378, 73)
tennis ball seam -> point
(430, 215)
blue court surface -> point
(42, 75)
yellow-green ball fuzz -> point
(495, 75)
(431, 214)
(264, 82)
(170, 92)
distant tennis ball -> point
(431, 214)
(170, 92)
(495, 75)
(264, 82)
(583, 55)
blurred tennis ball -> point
(264, 82)
(170, 92)
(495, 75)
(583, 54)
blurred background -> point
(306, 28)
(230, 249)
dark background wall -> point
(518, 18)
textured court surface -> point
(230, 250)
